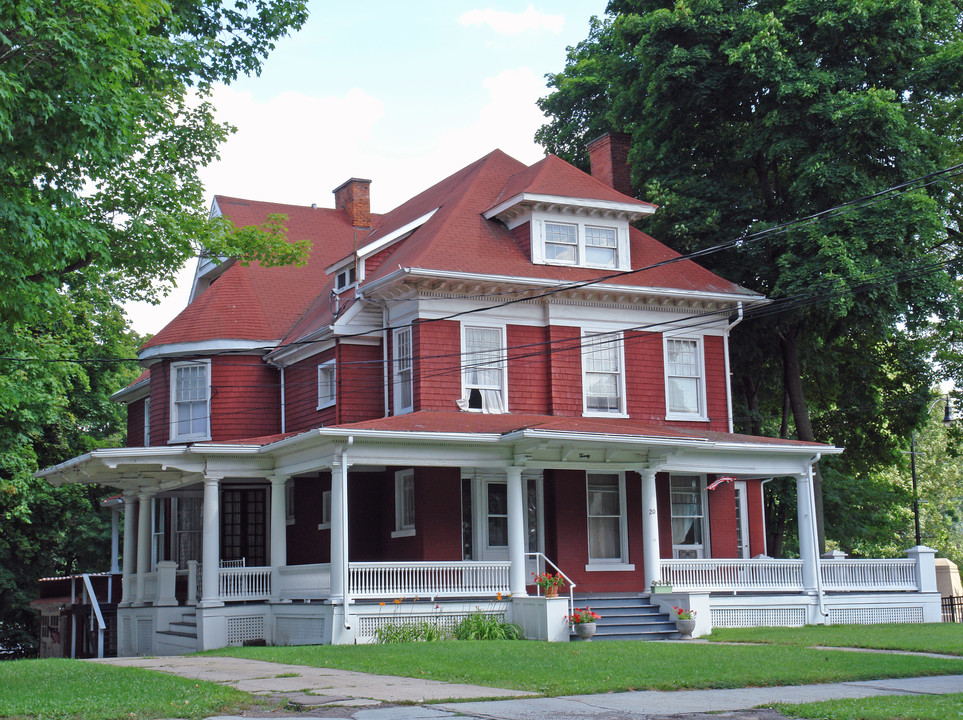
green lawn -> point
(904, 707)
(946, 638)
(68, 689)
(578, 668)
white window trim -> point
(601, 564)
(174, 437)
(702, 415)
(325, 523)
(706, 544)
(158, 536)
(619, 341)
(397, 382)
(322, 369)
(147, 421)
(502, 366)
(402, 530)
(538, 238)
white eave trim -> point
(747, 299)
(132, 392)
(635, 209)
(207, 347)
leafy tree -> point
(747, 116)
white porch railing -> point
(305, 582)
(427, 579)
(733, 575)
(862, 575)
(244, 583)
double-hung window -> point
(404, 503)
(684, 384)
(403, 386)
(579, 243)
(147, 421)
(607, 527)
(689, 525)
(603, 383)
(327, 384)
(191, 401)
(483, 376)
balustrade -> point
(427, 579)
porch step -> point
(627, 617)
(186, 627)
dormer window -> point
(346, 278)
(562, 240)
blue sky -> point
(401, 93)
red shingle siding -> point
(135, 423)
(438, 512)
(757, 520)
(245, 398)
(663, 502)
(644, 375)
(528, 370)
(160, 402)
(374, 262)
(305, 543)
(301, 395)
(523, 234)
(716, 383)
(360, 383)
(722, 519)
(437, 362)
(566, 368)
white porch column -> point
(339, 531)
(651, 557)
(211, 544)
(279, 533)
(516, 532)
(143, 543)
(114, 540)
(807, 532)
(130, 507)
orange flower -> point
(397, 601)
(381, 604)
(498, 596)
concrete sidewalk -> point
(324, 692)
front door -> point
(485, 517)
(244, 525)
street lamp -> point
(948, 419)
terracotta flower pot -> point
(551, 591)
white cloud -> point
(509, 23)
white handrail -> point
(101, 625)
(367, 580)
(571, 584)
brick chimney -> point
(354, 197)
(609, 155)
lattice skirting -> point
(145, 636)
(240, 629)
(874, 615)
(758, 617)
(368, 624)
(300, 631)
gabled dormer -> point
(563, 217)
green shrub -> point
(479, 626)
(424, 631)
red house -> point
(501, 376)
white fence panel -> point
(305, 582)
(873, 575)
(244, 583)
(733, 575)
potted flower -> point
(684, 622)
(661, 586)
(583, 620)
(549, 583)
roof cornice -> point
(207, 347)
(506, 210)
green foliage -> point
(930, 707)
(482, 626)
(56, 689)
(943, 638)
(747, 116)
(424, 631)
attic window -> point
(346, 278)
(566, 240)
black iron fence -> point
(953, 609)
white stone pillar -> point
(279, 533)
(211, 544)
(516, 532)
(339, 530)
(143, 543)
(130, 508)
(114, 540)
(651, 556)
(925, 559)
(807, 532)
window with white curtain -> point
(606, 518)
(404, 397)
(483, 369)
(687, 497)
(602, 381)
(190, 401)
(684, 386)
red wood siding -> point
(663, 502)
(523, 235)
(436, 347)
(528, 370)
(438, 512)
(757, 518)
(245, 398)
(360, 383)
(644, 375)
(565, 361)
(716, 383)
(160, 402)
(372, 263)
(135, 423)
(301, 394)
(722, 520)
(307, 544)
